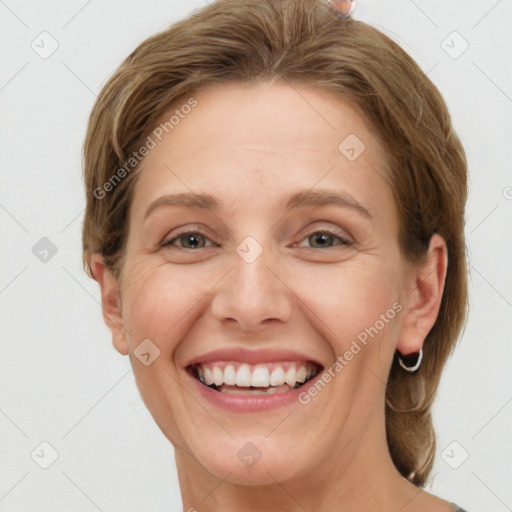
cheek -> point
(160, 302)
(351, 301)
(366, 280)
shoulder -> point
(456, 508)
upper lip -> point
(251, 356)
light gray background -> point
(62, 382)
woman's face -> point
(263, 249)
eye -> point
(325, 238)
(190, 240)
(320, 239)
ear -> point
(110, 302)
(424, 291)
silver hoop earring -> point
(411, 362)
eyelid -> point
(189, 228)
(342, 241)
(332, 230)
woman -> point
(275, 216)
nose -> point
(253, 295)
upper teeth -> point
(259, 375)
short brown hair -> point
(301, 42)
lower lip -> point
(252, 403)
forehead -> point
(269, 137)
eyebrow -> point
(325, 198)
(303, 198)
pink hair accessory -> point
(340, 8)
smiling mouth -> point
(254, 379)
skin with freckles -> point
(326, 272)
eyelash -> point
(332, 232)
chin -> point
(250, 460)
